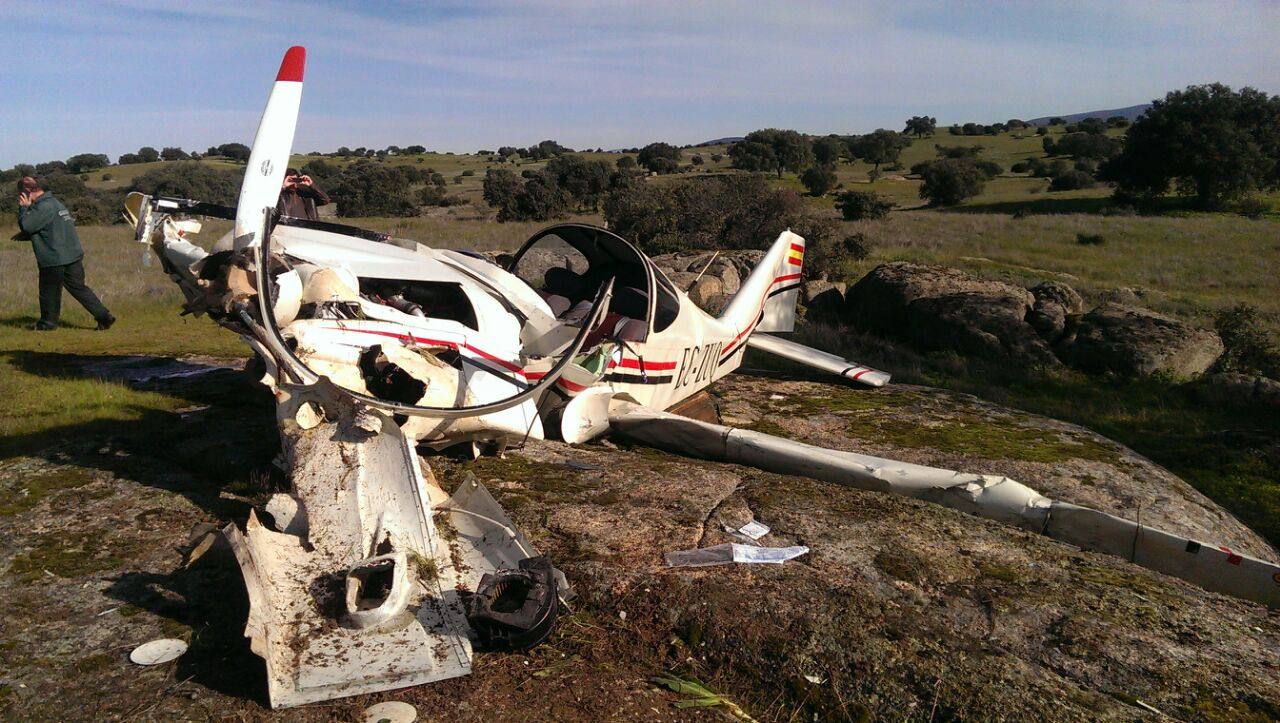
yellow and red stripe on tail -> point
(795, 256)
(767, 299)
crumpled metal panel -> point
(362, 487)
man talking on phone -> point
(299, 196)
(48, 225)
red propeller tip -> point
(295, 61)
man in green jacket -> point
(48, 224)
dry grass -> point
(1188, 266)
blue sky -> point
(112, 75)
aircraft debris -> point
(994, 497)
(753, 530)
(514, 609)
(371, 576)
(393, 711)
(158, 651)
(733, 552)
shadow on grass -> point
(1036, 206)
(222, 432)
(1049, 205)
(27, 321)
(221, 437)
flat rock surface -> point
(902, 609)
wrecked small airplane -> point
(368, 576)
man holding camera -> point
(48, 225)
(299, 196)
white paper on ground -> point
(732, 552)
(754, 530)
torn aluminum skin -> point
(358, 589)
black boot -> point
(105, 323)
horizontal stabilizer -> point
(801, 354)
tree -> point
(1117, 121)
(990, 169)
(949, 181)
(545, 150)
(148, 154)
(188, 179)
(626, 163)
(85, 162)
(367, 188)
(1207, 140)
(921, 126)
(737, 211)
(957, 151)
(827, 150)
(1088, 125)
(584, 181)
(787, 151)
(321, 171)
(862, 205)
(233, 151)
(659, 157)
(415, 150)
(753, 156)
(539, 199)
(499, 188)
(51, 168)
(173, 153)
(818, 180)
(1071, 180)
(1087, 145)
(1057, 121)
(436, 196)
(696, 159)
(880, 146)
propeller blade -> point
(272, 144)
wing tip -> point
(293, 65)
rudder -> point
(768, 297)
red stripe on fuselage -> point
(571, 386)
(446, 344)
(645, 366)
(764, 300)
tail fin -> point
(767, 299)
(271, 146)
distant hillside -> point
(1131, 112)
(720, 141)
